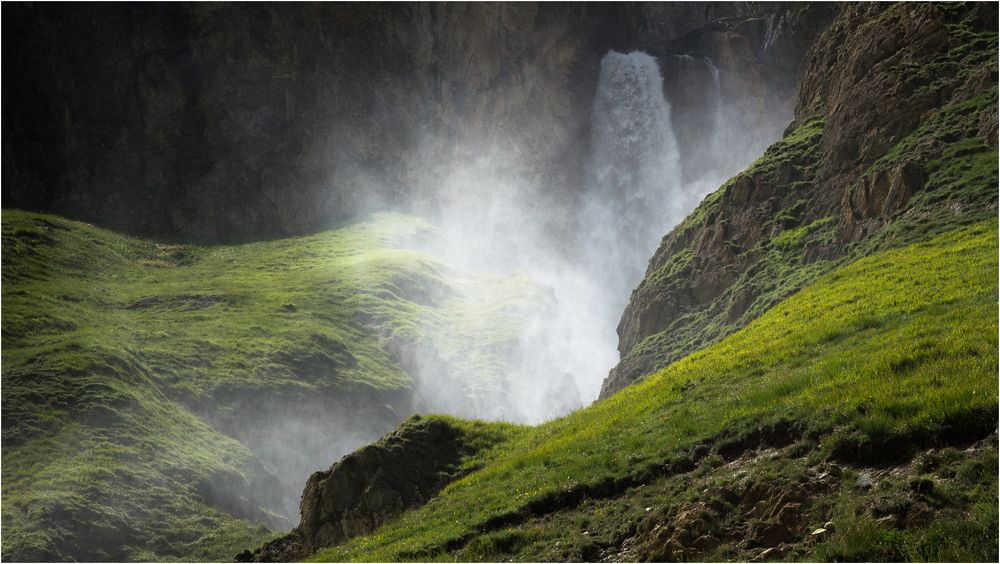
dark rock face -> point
(758, 58)
(702, 266)
(378, 482)
(372, 485)
(233, 122)
(886, 91)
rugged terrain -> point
(216, 123)
(855, 420)
(894, 138)
(818, 341)
(809, 368)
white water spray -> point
(636, 192)
(587, 254)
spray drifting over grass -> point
(589, 248)
(891, 352)
(305, 348)
(211, 381)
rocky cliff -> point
(892, 139)
(223, 122)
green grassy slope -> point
(894, 353)
(129, 367)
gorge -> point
(611, 282)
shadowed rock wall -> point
(220, 122)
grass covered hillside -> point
(164, 402)
(855, 420)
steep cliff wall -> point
(226, 122)
(894, 139)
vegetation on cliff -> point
(377, 483)
(894, 141)
(809, 369)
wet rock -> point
(373, 485)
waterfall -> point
(635, 175)
(716, 82)
(718, 141)
(635, 192)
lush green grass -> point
(100, 465)
(960, 485)
(123, 360)
(236, 314)
(886, 355)
(480, 439)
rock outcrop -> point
(375, 484)
(278, 434)
(894, 138)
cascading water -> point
(636, 189)
(717, 94)
(717, 140)
(695, 88)
(639, 183)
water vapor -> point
(643, 167)
(588, 249)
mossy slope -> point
(161, 400)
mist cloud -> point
(589, 249)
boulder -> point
(378, 482)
